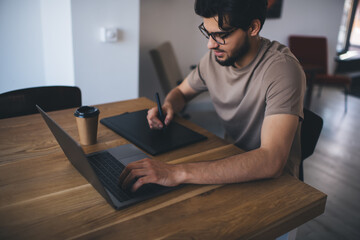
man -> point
(257, 88)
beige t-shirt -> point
(273, 83)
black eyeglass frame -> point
(207, 34)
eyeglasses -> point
(218, 37)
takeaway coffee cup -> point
(87, 123)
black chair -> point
(310, 132)
(50, 98)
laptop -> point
(102, 169)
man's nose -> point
(212, 43)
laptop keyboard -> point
(108, 169)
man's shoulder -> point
(279, 61)
(278, 51)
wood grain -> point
(220, 217)
(42, 196)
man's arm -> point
(267, 161)
(174, 102)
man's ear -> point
(254, 28)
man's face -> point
(236, 45)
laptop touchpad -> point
(127, 153)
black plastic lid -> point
(86, 111)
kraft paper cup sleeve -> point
(87, 123)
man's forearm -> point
(267, 161)
(176, 99)
(253, 165)
(179, 96)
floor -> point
(333, 168)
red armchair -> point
(312, 52)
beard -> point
(239, 53)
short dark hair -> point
(236, 13)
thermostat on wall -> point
(108, 34)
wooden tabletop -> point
(42, 196)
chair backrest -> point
(22, 102)
(167, 67)
(310, 51)
(310, 132)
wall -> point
(110, 72)
(21, 51)
(106, 72)
(308, 17)
(58, 43)
(178, 23)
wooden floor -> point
(334, 168)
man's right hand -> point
(174, 102)
(153, 119)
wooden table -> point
(42, 196)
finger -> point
(127, 181)
(169, 116)
(156, 124)
(152, 113)
(153, 120)
(123, 175)
(130, 179)
(134, 165)
(139, 183)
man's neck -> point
(255, 44)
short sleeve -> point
(196, 78)
(285, 87)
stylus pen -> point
(161, 114)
